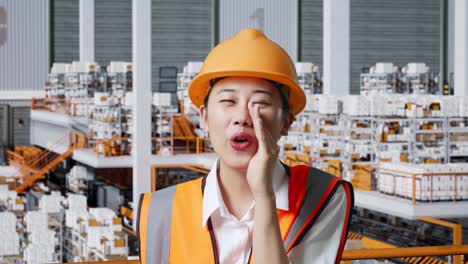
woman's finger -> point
(258, 127)
(270, 142)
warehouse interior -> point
(94, 111)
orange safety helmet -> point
(251, 54)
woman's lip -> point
(242, 135)
(241, 145)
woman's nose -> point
(242, 116)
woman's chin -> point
(238, 162)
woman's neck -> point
(235, 190)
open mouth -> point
(241, 141)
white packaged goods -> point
(95, 234)
(309, 102)
(382, 67)
(315, 98)
(413, 68)
(450, 106)
(397, 179)
(193, 67)
(104, 216)
(356, 105)
(74, 217)
(328, 105)
(77, 202)
(11, 200)
(36, 220)
(162, 99)
(51, 203)
(39, 254)
(377, 105)
(304, 67)
(462, 106)
(10, 243)
(7, 221)
(103, 233)
(116, 247)
(129, 99)
(76, 179)
(119, 67)
(59, 68)
(45, 236)
(102, 99)
(84, 67)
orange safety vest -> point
(169, 222)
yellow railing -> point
(49, 103)
(385, 253)
(414, 178)
(32, 169)
(293, 158)
(14, 158)
(457, 230)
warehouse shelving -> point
(457, 134)
(385, 78)
(372, 83)
(417, 83)
(327, 135)
(429, 142)
(392, 139)
(358, 138)
(309, 77)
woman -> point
(250, 207)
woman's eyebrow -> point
(226, 90)
(263, 92)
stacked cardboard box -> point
(10, 242)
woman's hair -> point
(282, 89)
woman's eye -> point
(262, 103)
(227, 101)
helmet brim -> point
(199, 85)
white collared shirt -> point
(234, 236)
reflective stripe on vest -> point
(170, 220)
(154, 231)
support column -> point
(461, 48)
(336, 19)
(142, 96)
(443, 43)
(87, 30)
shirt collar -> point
(213, 199)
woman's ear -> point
(204, 117)
(288, 120)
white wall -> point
(24, 56)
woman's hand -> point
(262, 164)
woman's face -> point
(228, 121)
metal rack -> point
(372, 83)
(358, 135)
(429, 142)
(105, 125)
(327, 135)
(416, 83)
(457, 137)
(74, 249)
(163, 131)
(56, 221)
(311, 82)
